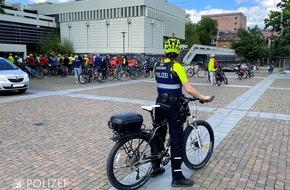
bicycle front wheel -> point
(198, 145)
(39, 75)
(201, 73)
(130, 162)
(84, 78)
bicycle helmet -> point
(172, 46)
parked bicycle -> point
(143, 70)
(133, 157)
(241, 72)
(33, 73)
(220, 76)
(90, 74)
(249, 72)
(196, 69)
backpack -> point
(215, 64)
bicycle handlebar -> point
(197, 99)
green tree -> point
(279, 21)
(250, 45)
(207, 30)
(1, 7)
(53, 44)
(191, 34)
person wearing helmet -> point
(11, 58)
(212, 68)
(171, 77)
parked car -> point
(229, 68)
(12, 78)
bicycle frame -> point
(136, 151)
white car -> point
(12, 77)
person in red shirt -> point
(113, 62)
(31, 60)
(44, 61)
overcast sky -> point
(255, 10)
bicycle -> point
(241, 72)
(90, 75)
(134, 155)
(198, 70)
(221, 76)
(33, 73)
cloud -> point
(241, 1)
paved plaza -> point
(55, 136)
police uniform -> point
(169, 76)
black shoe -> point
(183, 182)
(157, 172)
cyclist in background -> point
(171, 77)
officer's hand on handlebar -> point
(207, 99)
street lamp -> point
(123, 42)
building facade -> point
(21, 26)
(102, 26)
(228, 25)
(229, 22)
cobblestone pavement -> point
(56, 133)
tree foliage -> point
(191, 34)
(201, 33)
(250, 44)
(53, 44)
(1, 7)
(207, 30)
(279, 21)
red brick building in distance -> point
(228, 25)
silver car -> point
(12, 77)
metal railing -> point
(206, 50)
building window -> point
(137, 10)
(122, 12)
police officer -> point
(171, 77)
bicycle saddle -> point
(150, 108)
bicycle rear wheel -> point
(123, 76)
(190, 72)
(197, 155)
(100, 77)
(218, 80)
(225, 79)
(129, 164)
